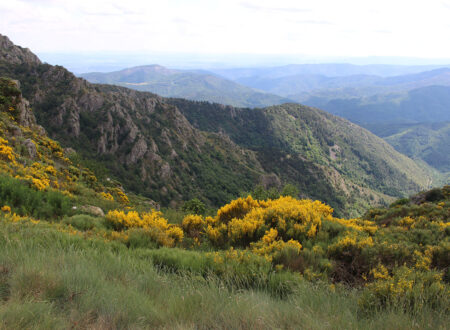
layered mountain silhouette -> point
(200, 86)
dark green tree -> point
(194, 206)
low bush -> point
(84, 222)
(25, 200)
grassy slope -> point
(50, 279)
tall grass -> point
(50, 279)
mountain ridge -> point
(148, 143)
(194, 85)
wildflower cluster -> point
(152, 223)
(405, 288)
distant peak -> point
(152, 68)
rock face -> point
(145, 142)
(31, 148)
(15, 54)
(93, 210)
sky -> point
(319, 28)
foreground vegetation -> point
(51, 279)
(265, 260)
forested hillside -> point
(216, 153)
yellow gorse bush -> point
(193, 224)
(152, 222)
(264, 227)
(107, 196)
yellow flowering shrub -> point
(237, 209)
(121, 196)
(367, 226)
(350, 242)
(6, 209)
(271, 245)
(153, 222)
(107, 196)
(50, 170)
(380, 272)
(407, 288)
(193, 225)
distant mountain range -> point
(427, 104)
(172, 150)
(193, 85)
(302, 87)
(413, 122)
(325, 69)
(395, 102)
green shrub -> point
(407, 289)
(26, 201)
(194, 206)
(84, 222)
(140, 238)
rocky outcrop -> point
(16, 54)
(138, 151)
(92, 210)
(148, 144)
(31, 148)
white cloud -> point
(322, 27)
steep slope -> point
(427, 142)
(186, 84)
(218, 151)
(316, 150)
(143, 141)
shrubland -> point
(259, 261)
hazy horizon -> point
(115, 61)
(232, 33)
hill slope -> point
(291, 140)
(427, 104)
(414, 123)
(186, 84)
(428, 142)
(65, 264)
(173, 150)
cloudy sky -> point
(415, 28)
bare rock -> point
(138, 151)
(31, 148)
(69, 151)
(270, 181)
(92, 210)
(165, 171)
(16, 54)
(26, 117)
